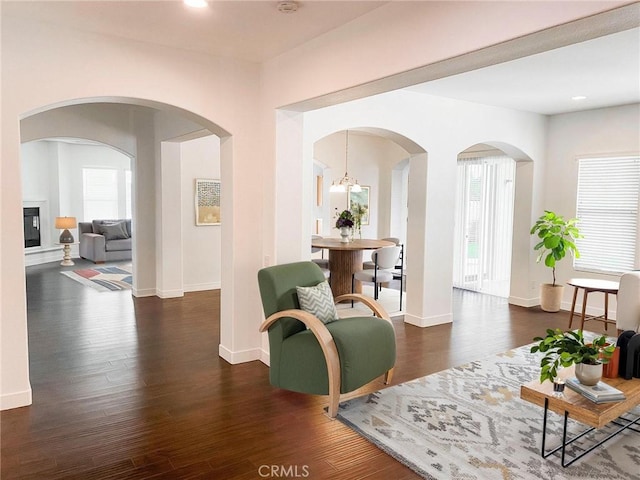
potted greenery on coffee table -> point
(557, 238)
(563, 349)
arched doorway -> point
(485, 206)
(153, 135)
(380, 159)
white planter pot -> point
(345, 232)
(551, 297)
(588, 374)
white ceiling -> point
(605, 70)
(245, 29)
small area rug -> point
(103, 279)
(469, 423)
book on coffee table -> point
(598, 393)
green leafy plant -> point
(557, 237)
(563, 349)
(358, 210)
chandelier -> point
(345, 181)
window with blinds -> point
(608, 213)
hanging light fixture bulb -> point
(346, 181)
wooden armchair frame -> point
(327, 343)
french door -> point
(484, 224)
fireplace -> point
(32, 236)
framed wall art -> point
(319, 190)
(359, 204)
(207, 201)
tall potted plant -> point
(557, 238)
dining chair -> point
(323, 263)
(384, 263)
(368, 265)
(311, 349)
(398, 273)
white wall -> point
(52, 174)
(443, 128)
(73, 158)
(260, 151)
(222, 92)
(201, 245)
(607, 131)
(409, 37)
(371, 161)
(40, 188)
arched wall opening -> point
(53, 173)
(370, 157)
(292, 232)
(487, 188)
(152, 134)
(161, 140)
(446, 127)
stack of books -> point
(599, 393)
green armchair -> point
(310, 356)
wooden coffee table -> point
(583, 410)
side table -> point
(588, 285)
(66, 255)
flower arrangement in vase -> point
(345, 224)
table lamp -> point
(64, 224)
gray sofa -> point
(105, 240)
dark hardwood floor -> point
(127, 388)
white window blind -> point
(607, 210)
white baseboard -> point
(265, 357)
(175, 293)
(524, 302)
(15, 400)
(143, 292)
(564, 306)
(242, 356)
(199, 287)
(428, 321)
(45, 255)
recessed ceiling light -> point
(287, 7)
(577, 98)
(196, 3)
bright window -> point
(484, 224)
(607, 210)
(100, 192)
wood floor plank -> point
(134, 388)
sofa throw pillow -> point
(113, 231)
(318, 301)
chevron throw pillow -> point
(318, 301)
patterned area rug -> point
(103, 279)
(469, 423)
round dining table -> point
(345, 259)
